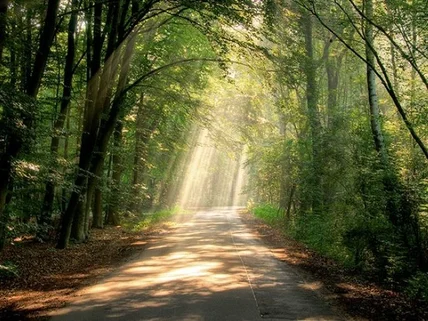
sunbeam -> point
(211, 178)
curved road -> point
(210, 268)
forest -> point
(310, 113)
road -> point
(210, 268)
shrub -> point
(417, 286)
(8, 270)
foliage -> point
(143, 221)
(17, 115)
(8, 270)
(330, 187)
(267, 213)
(417, 287)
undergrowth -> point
(349, 245)
(145, 220)
(321, 235)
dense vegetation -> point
(325, 100)
(341, 164)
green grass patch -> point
(323, 234)
(268, 214)
(143, 221)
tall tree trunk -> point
(27, 57)
(113, 217)
(93, 135)
(13, 57)
(98, 38)
(3, 22)
(142, 137)
(46, 39)
(66, 155)
(77, 208)
(103, 103)
(284, 180)
(96, 137)
(47, 207)
(97, 209)
(371, 86)
(94, 191)
(78, 231)
(139, 157)
(312, 107)
(14, 143)
(332, 67)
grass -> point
(143, 221)
(268, 214)
(321, 234)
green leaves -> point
(17, 113)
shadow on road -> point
(211, 268)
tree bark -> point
(46, 39)
(14, 144)
(78, 231)
(371, 87)
(27, 57)
(3, 22)
(47, 207)
(113, 217)
(95, 135)
(97, 210)
(312, 107)
(104, 98)
(332, 67)
(144, 129)
(94, 138)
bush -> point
(8, 270)
(268, 213)
(417, 287)
(143, 221)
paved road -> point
(210, 268)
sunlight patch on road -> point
(200, 268)
(193, 271)
(311, 286)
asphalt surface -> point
(210, 268)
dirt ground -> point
(48, 278)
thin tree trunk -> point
(332, 67)
(103, 103)
(312, 107)
(139, 157)
(3, 22)
(371, 86)
(47, 207)
(113, 217)
(95, 135)
(27, 56)
(141, 153)
(76, 211)
(97, 210)
(13, 51)
(77, 230)
(14, 143)
(66, 148)
(46, 39)
(290, 202)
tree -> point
(14, 143)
